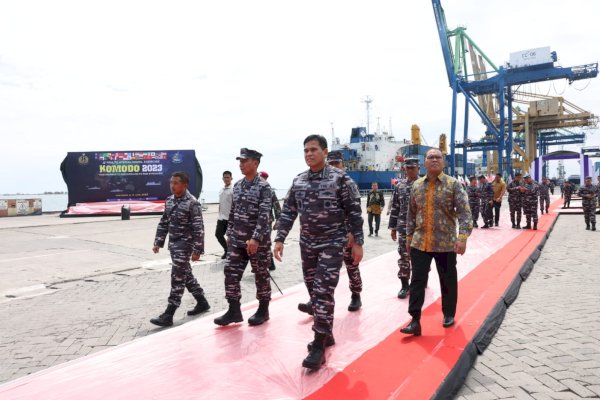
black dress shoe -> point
(414, 328)
(403, 293)
(224, 256)
(448, 321)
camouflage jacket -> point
(435, 209)
(544, 189)
(487, 193)
(568, 190)
(399, 202)
(588, 195)
(328, 203)
(182, 220)
(474, 194)
(513, 190)
(532, 191)
(250, 213)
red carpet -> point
(370, 360)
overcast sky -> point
(220, 75)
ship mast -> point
(367, 100)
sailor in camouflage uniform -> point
(530, 201)
(328, 204)
(515, 200)
(544, 188)
(487, 197)
(588, 193)
(249, 239)
(474, 193)
(568, 190)
(397, 223)
(182, 221)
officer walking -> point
(530, 201)
(328, 204)
(182, 221)
(474, 194)
(249, 239)
(544, 188)
(487, 198)
(588, 193)
(397, 224)
(568, 190)
(515, 200)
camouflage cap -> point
(335, 156)
(248, 153)
(411, 162)
(518, 174)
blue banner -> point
(127, 175)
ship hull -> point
(364, 179)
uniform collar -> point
(319, 174)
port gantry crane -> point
(479, 90)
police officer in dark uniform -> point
(487, 198)
(182, 221)
(474, 193)
(328, 204)
(515, 200)
(397, 223)
(249, 239)
(588, 193)
(530, 201)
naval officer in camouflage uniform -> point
(249, 239)
(328, 204)
(568, 190)
(588, 193)
(530, 201)
(487, 198)
(515, 200)
(474, 194)
(397, 223)
(544, 189)
(336, 160)
(182, 221)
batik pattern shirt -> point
(437, 209)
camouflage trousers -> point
(474, 211)
(530, 211)
(567, 202)
(514, 207)
(237, 260)
(321, 270)
(544, 202)
(353, 271)
(182, 277)
(486, 213)
(589, 213)
(404, 260)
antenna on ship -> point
(367, 100)
(332, 134)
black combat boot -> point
(404, 290)
(546, 210)
(587, 226)
(328, 343)
(201, 306)
(593, 226)
(166, 318)
(519, 223)
(306, 307)
(528, 226)
(233, 314)
(262, 314)
(355, 302)
(316, 357)
(414, 328)
(535, 226)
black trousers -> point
(377, 222)
(220, 233)
(497, 205)
(446, 268)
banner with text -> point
(127, 175)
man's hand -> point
(393, 234)
(228, 241)
(350, 238)
(357, 253)
(460, 248)
(155, 249)
(408, 247)
(195, 257)
(278, 251)
(252, 246)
